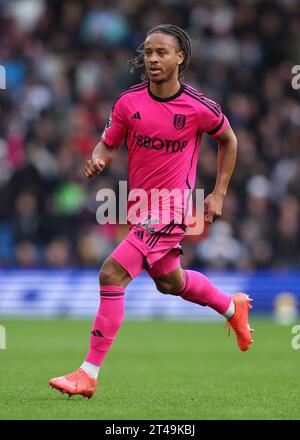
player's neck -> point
(165, 89)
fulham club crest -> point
(179, 121)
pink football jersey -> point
(163, 137)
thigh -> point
(130, 258)
(113, 274)
(167, 273)
(171, 283)
(167, 264)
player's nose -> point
(153, 60)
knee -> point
(112, 275)
(167, 288)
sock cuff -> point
(111, 291)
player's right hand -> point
(93, 167)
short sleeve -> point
(115, 129)
(212, 119)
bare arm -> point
(101, 158)
(227, 152)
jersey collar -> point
(169, 98)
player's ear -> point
(180, 57)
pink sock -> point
(198, 289)
(107, 323)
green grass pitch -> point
(155, 370)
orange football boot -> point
(78, 382)
(239, 321)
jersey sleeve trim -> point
(214, 131)
(220, 127)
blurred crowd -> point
(66, 63)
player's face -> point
(162, 57)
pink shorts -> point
(158, 253)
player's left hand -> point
(213, 205)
